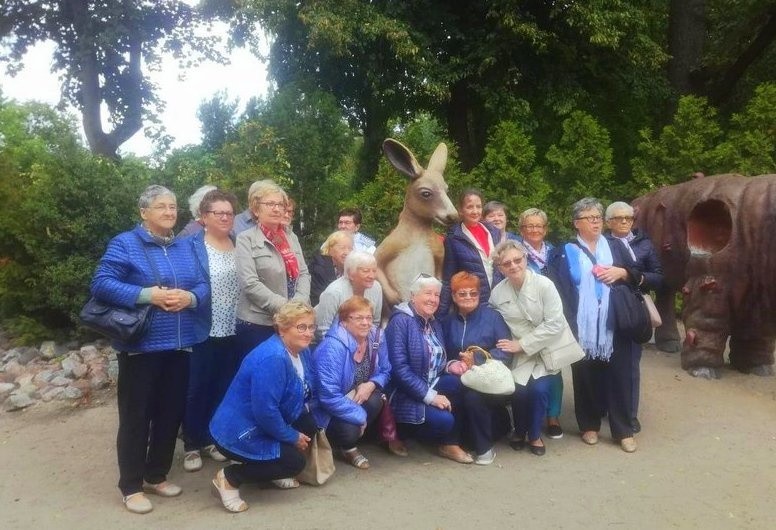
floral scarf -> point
(280, 242)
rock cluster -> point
(54, 372)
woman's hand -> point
(302, 442)
(467, 357)
(364, 392)
(457, 368)
(509, 346)
(609, 275)
(441, 402)
(172, 300)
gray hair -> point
(423, 281)
(588, 203)
(335, 237)
(356, 259)
(196, 199)
(151, 193)
(493, 206)
(616, 207)
(531, 212)
(504, 247)
(262, 188)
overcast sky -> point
(244, 78)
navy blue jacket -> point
(482, 327)
(410, 358)
(124, 271)
(462, 255)
(649, 263)
(322, 273)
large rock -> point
(60, 381)
(90, 353)
(17, 401)
(52, 392)
(73, 368)
(50, 349)
(43, 377)
(14, 369)
(27, 354)
(71, 392)
(5, 389)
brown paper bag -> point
(320, 461)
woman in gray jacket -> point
(270, 266)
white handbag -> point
(492, 377)
(564, 353)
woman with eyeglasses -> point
(426, 400)
(533, 230)
(475, 324)
(264, 423)
(468, 246)
(619, 219)
(582, 270)
(150, 265)
(271, 269)
(212, 363)
(352, 369)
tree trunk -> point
(686, 36)
(458, 124)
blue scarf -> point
(594, 336)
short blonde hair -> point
(336, 237)
(260, 189)
(290, 312)
(531, 212)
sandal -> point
(355, 459)
(230, 498)
(286, 483)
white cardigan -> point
(534, 314)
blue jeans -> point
(529, 405)
(212, 365)
(441, 426)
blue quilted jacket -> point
(124, 271)
(482, 327)
(462, 255)
(335, 372)
(265, 398)
(410, 360)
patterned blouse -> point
(223, 286)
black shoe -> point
(636, 425)
(517, 445)
(555, 432)
(537, 449)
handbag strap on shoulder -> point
(586, 251)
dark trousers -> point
(344, 435)
(529, 406)
(636, 379)
(600, 386)
(212, 365)
(441, 426)
(556, 395)
(487, 419)
(151, 397)
(290, 463)
(250, 335)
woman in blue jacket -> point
(352, 369)
(263, 424)
(426, 401)
(149, 265)
(468, 246)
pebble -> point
(60, 381)
(71, 392)
(18, 401)
(6, 388)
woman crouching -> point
(264, 424)
(352, 369)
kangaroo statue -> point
(413, 247)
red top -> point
(480, 233)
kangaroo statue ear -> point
(438, 160)
(402, 158)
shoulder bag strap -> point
(586, 251)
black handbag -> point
(628, 312)
(119, 323)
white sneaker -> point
(192, 461)
(486, 458)
(286, 483)
(214, 453)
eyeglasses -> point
(510, 262)
(421, 275)
(467, 294)
(591, 218)
(274, 205)
(221, 215)
(360, 318)
(301, 328)
(532, 227)
(622, 219)
(163, 207)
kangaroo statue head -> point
(413, 247)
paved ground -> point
(706, 459)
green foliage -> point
(750, 148)
(26, 331)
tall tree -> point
(102, 48)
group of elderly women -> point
(227, 352)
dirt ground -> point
(706, 459)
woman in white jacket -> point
(532, 309)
